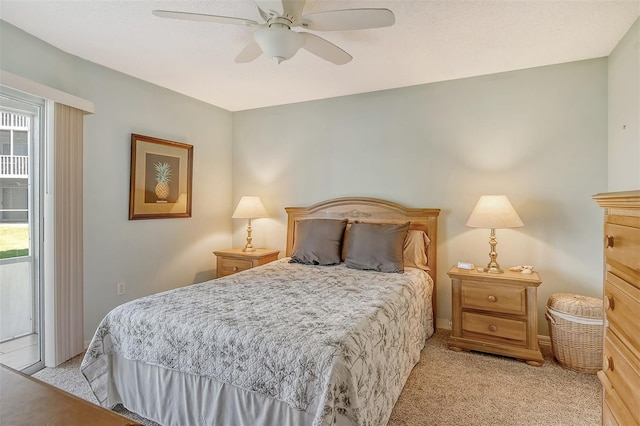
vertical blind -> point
(68, 250)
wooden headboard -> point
(372, 210)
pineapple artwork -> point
(163, 179)
(160, 179)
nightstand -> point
(235, 260)
(495, 313)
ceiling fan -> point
(276, 39)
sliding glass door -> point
(21, 140)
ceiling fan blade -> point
(271, 7)
(250, 52)
(199, 17)
(349, 19)
(263, 14)
(325, 49)
(291, 9)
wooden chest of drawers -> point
(495, 313)
(620, 375)
(235, 260)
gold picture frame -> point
(161, 178)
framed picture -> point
(161, 178)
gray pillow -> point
(376, 246)
(318, 241)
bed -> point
(293, 342)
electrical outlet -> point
(120, 288)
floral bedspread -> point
(335, 342)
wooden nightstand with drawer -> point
(235, 260)
(495, 313)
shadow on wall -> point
(202, 276)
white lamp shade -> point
(493, 212)
(250, 207)
(278, 43)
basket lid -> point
(574, 304)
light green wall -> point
(537, 135)
(624, 112)
(149, 255)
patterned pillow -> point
(376, 246)
(318, 241)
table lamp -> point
(249, 207)
(491, 212)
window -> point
(5, 141)
(20, 142)
(21, 124)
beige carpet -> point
(455, 388)
(470, 388)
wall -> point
(537, 135)
(149, 255)
(624, 112)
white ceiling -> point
(430, 41)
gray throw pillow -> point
(318, 241)
(376, 246)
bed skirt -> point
(193, 400)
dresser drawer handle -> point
(493, 328)
(491, 298)
(609, 241)
(608, 363)
(609, 304)
(235, 269)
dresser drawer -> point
(622, 308)
(493, 297)
(494, 328)
(622, 245)
(607, 415)
(608, 418)
(231, 266)
(622, 370)
(614, 412)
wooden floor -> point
(21, 352)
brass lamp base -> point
(249, 247)
(493, 267)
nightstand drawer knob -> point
(493, 328)
(491, 298)
(608, 303)
(235, 269)
(609, 241)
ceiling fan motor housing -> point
(278, 41)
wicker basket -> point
(575, 329)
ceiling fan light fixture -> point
(275, 39)
(279, 44)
